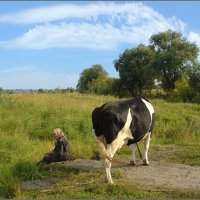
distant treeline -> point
(57, 90)
(167, 68)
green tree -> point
(102, 85)
(181, 90)
(134, 71)
(41, 90)
(88, 75)
(194, 82)
(173, 54)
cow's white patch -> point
(150, 108)
(123, 136)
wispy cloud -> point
(59, 12)
(77, 11)
(99, 25)
(84, 35)
(16, 69)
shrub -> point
(181, 90)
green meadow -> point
(28, 119)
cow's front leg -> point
(146, 148)
(133, 147)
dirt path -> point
(159, 174)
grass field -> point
(28, 119)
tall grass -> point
(27, 120)
(176, 123)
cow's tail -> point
(102, 146)
(103, 151)
(104, 154)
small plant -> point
(6, 183)
(26, 170)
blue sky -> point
(48, 44)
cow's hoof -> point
(132, 163)
(145, 163)
(109, 181)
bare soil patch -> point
(158, 174)
(161, 174)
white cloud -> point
(194, 37)
(65, 11)
(71, 36)
(97, 25)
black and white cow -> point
(122, 123)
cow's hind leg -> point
(133, 147)
(111, 150)
(146, 148)
(105, 155)
(107, 165)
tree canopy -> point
(169, 64)
(134, 71)
(173, 54)
(88, 75)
